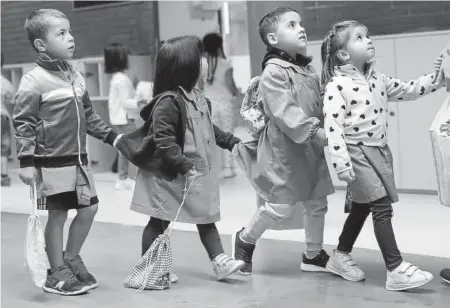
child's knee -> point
(278, 211)
(57, 216)
(89, 212)
(316, 207)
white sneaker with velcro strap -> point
(407, 276)
(342, 264)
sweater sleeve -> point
(399, 90)
(334, 107)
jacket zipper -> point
(79, 125)
(78, 115)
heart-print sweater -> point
(356, 108)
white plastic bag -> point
(36, 260)
(441, 149)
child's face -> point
(59, 42)
(360, 47)
(290, 36)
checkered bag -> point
(153, 271)
(36, 261)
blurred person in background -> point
(7, 98)
(121, 90)
(221, 89)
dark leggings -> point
(208, 235)
(382, 215)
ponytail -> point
(328, 59)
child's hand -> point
(191, 173)
(445, 128)
(27, 175)
(438, 63)
(117, 140)
(347, 176)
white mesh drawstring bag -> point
(154, 268)
(36, 260)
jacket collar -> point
(190, 96)
(50, 64)
(285, 64)
(351, 71)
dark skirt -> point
(374, 174)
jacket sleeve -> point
(399, 90)
(225, 140)
(281, 107)
(25, 120)
(334, 108)
(96, 127)
(166, 124)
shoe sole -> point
(393, 287)
(244, 273)
(233, 250)
(54, 291)
(313, 268)
(232, 271)
(92, 286)
(445, 280)
(335, 271)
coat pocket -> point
(194, 186)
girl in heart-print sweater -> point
(356, 126)
(356, 107)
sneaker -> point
(407, 276)
(173, 278)
(445, 275)
(6, 180)
(316, 264)
(242, 251)
(80, 271)
(127, 184)
(342, 264)
(63, 282)
(224, 266)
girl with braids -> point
(220, 88)
(356, 113)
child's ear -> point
(271, 37)
(343, 55)
(39, 45)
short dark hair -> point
(269, 22)
(116, 58)
(213, 44)
(178, 64)
(37, 23)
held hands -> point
(28, 175)
(117, 140)
(347, 176)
